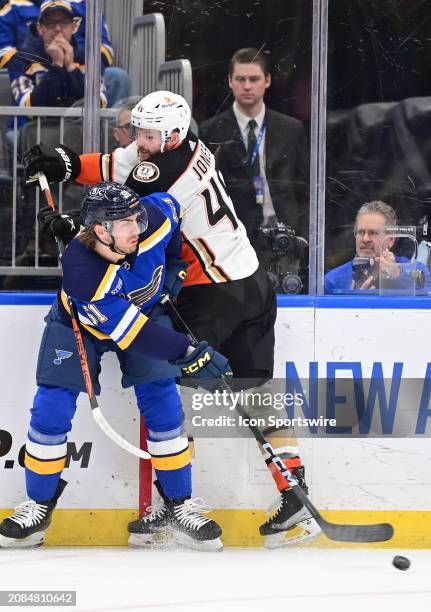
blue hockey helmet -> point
(109, 201)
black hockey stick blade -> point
(379, 532)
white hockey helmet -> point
(163, 111)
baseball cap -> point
(54, 5)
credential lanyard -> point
(258, 141)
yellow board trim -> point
(174, 462)
(44, 467)
(96, 527)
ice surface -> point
(116, 579)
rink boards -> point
(364, 479)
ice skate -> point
(191, 528)
(290, 522)
(27, 526)
(153, 530)
(173, 523)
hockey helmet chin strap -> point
(111, 246)
(107, 225)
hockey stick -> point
(379, 532)
(95, 409)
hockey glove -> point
(58, 163)
(206, 365)
(64, 226)
(176, 273)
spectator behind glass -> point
(373, 244)
(262, 153)
(121, 131)
(17, 15)
(51, 63)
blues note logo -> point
(61, 355)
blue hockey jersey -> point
(114, 300)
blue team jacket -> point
(36, 81)
(16, 16)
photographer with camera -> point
(375, 261)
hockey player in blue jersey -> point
(227, 298)
(115, 270)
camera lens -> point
(291, 283)
(282, 242)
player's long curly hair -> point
(87, 237)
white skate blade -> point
(161, 539)
(186, 541)
(32, 541)
(302, 533)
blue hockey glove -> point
(206, 365)
(176, 273)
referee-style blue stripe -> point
(283, 301)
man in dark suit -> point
(261, 153)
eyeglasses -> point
(371, 233)
(126, 126)
(52, 23)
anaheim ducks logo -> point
(146, 172)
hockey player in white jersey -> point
(226, 298)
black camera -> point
(362, 267)
(280, 248)
(279, 236)
(362, 270)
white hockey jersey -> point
(216, 245)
